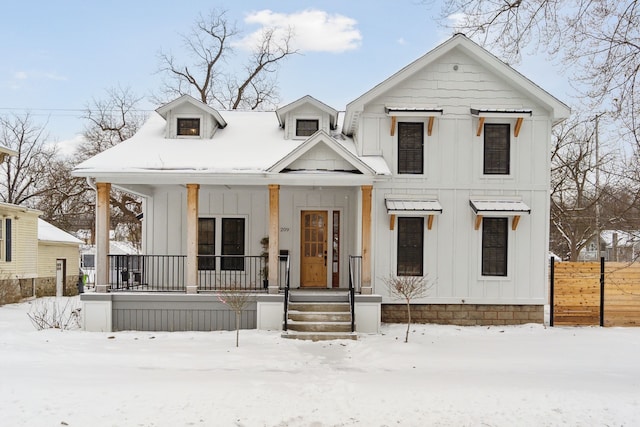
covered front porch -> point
(160, 291)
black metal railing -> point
(355, 282)
(223, 272)
(287, 287)
(160, 273)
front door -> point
(313, 249)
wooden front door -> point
(313, 249)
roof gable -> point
(330, 151)
(558, 110)
(188, 99)
(307, 99)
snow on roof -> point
(250, 144)
(50, 233)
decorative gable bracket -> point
(519, 115)
(430, 112)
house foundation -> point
(464, 314)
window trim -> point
(506, 251)
(509, 154)
(305, 119)
(399, 125)
(218, 241)
(198, 117)
(401, 220)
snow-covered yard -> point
(527, 375)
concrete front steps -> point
(319, 315)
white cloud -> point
(68, 147)
(313, 30)
(20, 75)
(401, 41)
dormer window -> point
(305, 127)
(188, 127)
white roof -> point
(251, 143)
(50, 233)
(507, 207)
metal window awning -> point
(518, 113)
(395, 111)
(512, 208)
(412, 207)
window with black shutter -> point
(497, 149)
(494, 246)
(410, 147)
(410, 246)
(8, 237)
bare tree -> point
(597, 38)
(575, 194)
(407, 288)
(208, 45)
(24, 174)
(112, 120)
(237, 300)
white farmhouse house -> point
(440, 171)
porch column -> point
(366, 239)
(103, 191)
(274, 235)
(192, 238)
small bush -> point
(53, 313)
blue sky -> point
(59, 55)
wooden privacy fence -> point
(595, 293)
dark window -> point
(89, 260)
(410, 246)
(206, 243)
(306, 127)
(410, 147)
(494, 246)
(233, 243)
(8, 236)
(497, 148)
(189, 127)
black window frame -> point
(207, 244)
(307, 130)
(183, 125)
(233, 243)
(497, 149)
(410, 246)
(411, 148)
(495, 246)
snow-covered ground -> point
(527, 375)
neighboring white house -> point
(58, 261)
(441, 171)
(615, 246)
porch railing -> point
(167, 273)
(223, 272)
(355, 284)
(161, 273)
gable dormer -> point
(189, 118)
(304, 117)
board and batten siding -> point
(173, 313)
(453, 173)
